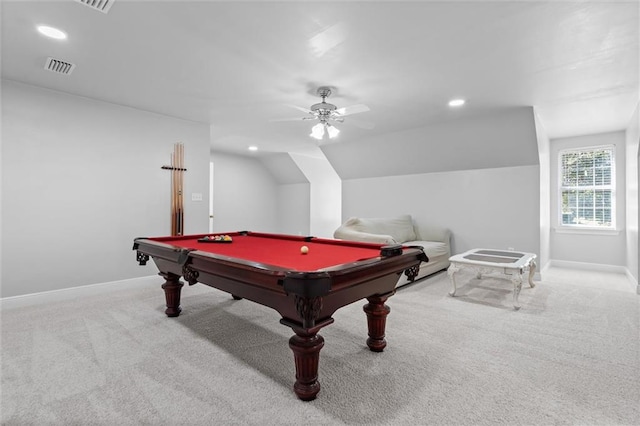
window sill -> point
(586, 231)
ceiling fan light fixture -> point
(317, 131)
(332, 130)
(326, 114)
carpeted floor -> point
(571, 355)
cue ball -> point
(304, 249)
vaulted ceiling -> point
(240, 66)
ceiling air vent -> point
(101, 5)
(58, 66)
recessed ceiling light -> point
(253, 148)
(456, 102)
(52, 32)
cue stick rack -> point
(177, 180)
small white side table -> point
(512, 263)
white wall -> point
(80, 180)
(632, 142)
(545, 194)
(294, 197)
(325, 193)
(245, 195)
(580, 246)
(294, 205)
(491, 208)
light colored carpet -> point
(571, 355)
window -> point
(587, 187)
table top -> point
(281, 251)
(494, 258)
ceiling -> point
(241, 65)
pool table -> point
(305, 288)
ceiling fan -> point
(326, 114)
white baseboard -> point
(73, 292)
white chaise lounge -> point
(436, 241)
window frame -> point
(612, 187)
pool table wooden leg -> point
(377, 313)
(172, 288)
(306, 345)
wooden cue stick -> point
(173, 193)
(178, 190)
(177, 148)
(178, 198)
(181, 188)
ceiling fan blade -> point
(367, 125)
(307, 110)
(353, 109)
(274, 120)
(291, 119)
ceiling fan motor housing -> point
(323, 110)
(323, 106)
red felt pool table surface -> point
(282, 250)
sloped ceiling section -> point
(283, 168)
(502, 139)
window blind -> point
(587, 187)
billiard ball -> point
(304, 249)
